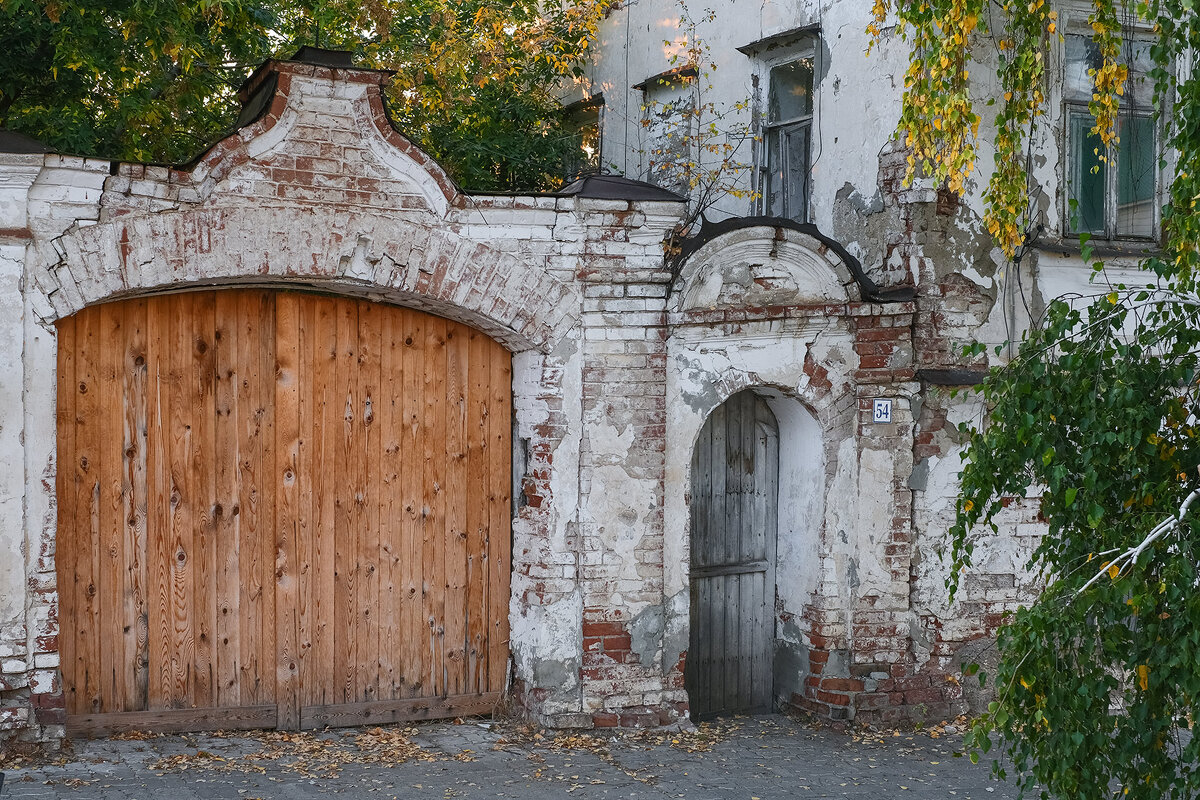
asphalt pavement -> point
(748, 758)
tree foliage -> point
(1099, 679)
(156, 81)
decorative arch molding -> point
(404, 262)
(770, 262)
(760, 266)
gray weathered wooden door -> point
(735, 473)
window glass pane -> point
(773, 191)
(1139, 89)
(796, 144)
(1136, 177)
(1086, 175)
(1082, 55)
(584, 158)
(790, 93)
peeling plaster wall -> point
(884, 639)
(619, 357)
(857, 100)
(321, 193)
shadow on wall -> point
(800, 524)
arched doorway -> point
(734, 494)
(280, 509)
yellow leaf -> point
(1143, 672)
(1113, 571)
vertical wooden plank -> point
(390, 502)
(135, 426)
(706, 643)
(749, 584)
(265, 542)
(414, 665)
(226, 512)
(87, 501)
(735, 470)
(303, 596)
(500, 513)
(736, 656)
(287, 434)
(320, 680)
(756, 601)
(715, 545)
(716, 555)
(248, 426)
(477, 487)
(701, 495)
(347, 521)
(434, 502)
(202, 473)
(749, 600)
(457, 496)
(106, 469)
(158, 512)
(66, 480)
(111, 496)
(182, 502)
(366, 473)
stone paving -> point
(755, 758)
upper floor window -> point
(787, 140)
(583, 126)
(1112, 193)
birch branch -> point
(1132, 554)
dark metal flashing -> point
(871, 292)
(257, 103)
(952, 377)
(779, 39)
(615, 187)
(321, 57)
(674, 75)
(584, 104)
(13, 142)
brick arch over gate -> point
(406, 263)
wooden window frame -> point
(769, 128)
(1073, 108)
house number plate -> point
(883, 411)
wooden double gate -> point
(280, 509)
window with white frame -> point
(787, 140)
(1112, 193)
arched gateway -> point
(279, 508)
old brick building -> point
(259, 467)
